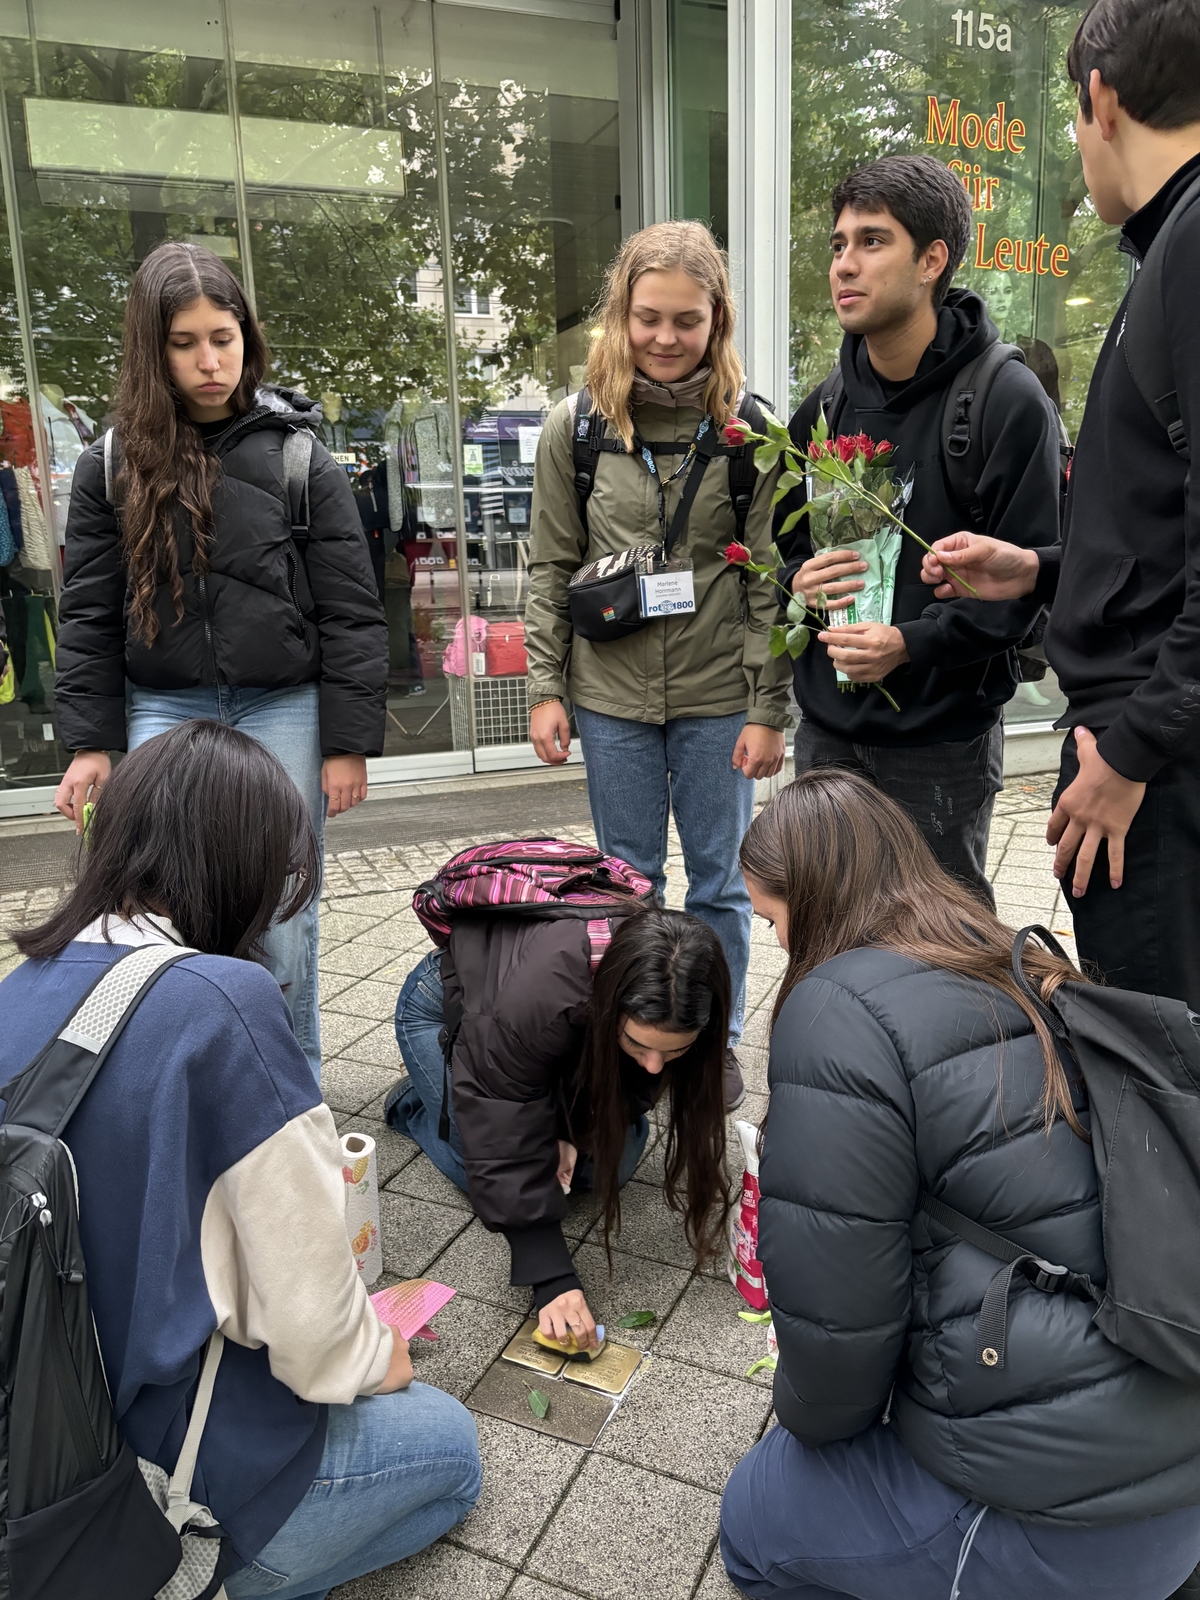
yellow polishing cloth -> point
(570, 1345)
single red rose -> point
(846, 447)
(884, 447)
(865, 446)
(816, 450)
(736, 431)
(737, 555)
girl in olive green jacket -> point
(684, 714)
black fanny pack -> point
(604, 597)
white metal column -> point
(760, 104)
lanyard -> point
(661, 483)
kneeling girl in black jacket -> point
(905, 1060)
(553, 1073)
(194, 588)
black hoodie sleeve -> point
(89, 687)
(349, 615)
(1019, 492)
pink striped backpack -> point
(535, 878)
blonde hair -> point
(665, 247)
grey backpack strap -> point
(180, 1506)
(109, 474)
(46, 1094)
(297, 457)
(1146, 337)
(962, 427)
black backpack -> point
(588, 444)
(1139, 1056)
(1145, 335)
(963, 461)
(82, 1517)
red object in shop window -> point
(506, 650)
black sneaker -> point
(1189, 1589)
(735, 1089)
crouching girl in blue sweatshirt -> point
(210, 1186)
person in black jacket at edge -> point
(911, 1463)
(1124, 630)
(553, 1070)
(900, 229)
(191, 591)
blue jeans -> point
(398, 1471)
(286, 722)
(416, 1107)
(637, 773)
(861, 1519)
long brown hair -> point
(163, 462)
(664, 247)
(854, 872)
(665, 969)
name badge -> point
(667, 594)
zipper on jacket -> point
(208, 638)
(291, 583)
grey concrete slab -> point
(636, 1285)
(754, 1059)
(350, 1085)
(354, 960)
(421, 1179)
(471, 1334)
(531, 1589)
(693, 1424)
(582, 1212)
(377, 906)
(339, 1032)
(375, 1002)
(649, 1227)
(415, 1232)
(377, 1046)
(331, 984)
(479, 1264)
(397, 934)
(525, 1475)
(623, 1533)
(575, 1414)
(704, 1330)
(392, 1150)
(339, 927)
(443, 1572)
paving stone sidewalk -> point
(633, 1516)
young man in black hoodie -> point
(900, 229)
(1124, 633)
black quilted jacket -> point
(262, 618)
(888, 1078)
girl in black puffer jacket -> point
(187, 591)
(905, 1060)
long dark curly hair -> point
(164, 466)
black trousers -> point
(1146, 934)
(949, 790)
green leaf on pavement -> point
(758, 1366)
(539, 1403)
(754, 1316)
(638, 1319)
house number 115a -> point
(984, 36)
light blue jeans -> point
(639, 772)
(398, 1471)
(416, 1107)
(286, 722)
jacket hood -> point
(275, 406)
(964, 331)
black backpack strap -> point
(706, 448)
(1145, 334)
(831, 396)
(962, 427)
(743, 474)
(46, 1094)
(587, 443)
(297, 458)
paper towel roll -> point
(361, 1176)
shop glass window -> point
(984, 90)
(532, 151)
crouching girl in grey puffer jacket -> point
(905, 1060)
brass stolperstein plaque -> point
(610, 1372)
(522, 1350)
